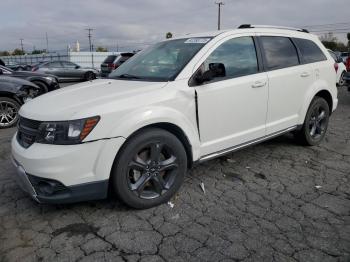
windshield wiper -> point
(128, 76)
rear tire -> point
(149, 169)
(315, 124)
(8, 112)
(89, 76)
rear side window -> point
(310, 52)
(279, 51)
(110, 59)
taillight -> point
(347, 64)
(111, 66)
(336, 67)
(34, 69)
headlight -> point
(49, 78)
(66, 132)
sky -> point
(133, 24)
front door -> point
(232, 108)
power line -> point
(219, 13)
(308, 26)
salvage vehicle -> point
(112, 62)
(66, 71)
(13, 93)
(45, 82)
(339, 67)
(179, 102)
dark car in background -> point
(114, 61)
(13, 93)
(18, 66)
(66, 71)
(45, 82)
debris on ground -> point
(171, 204)
(318, 187)
(247, 167)
(202, 187)
(230, 160)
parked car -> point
(112, 62)
(2, 62)
(344, 56)
(340, 68)
(18, 66)
(66, 71)
(347, 80)
(182, 101)
(45, 82)
(13, 93)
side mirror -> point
(215, 70)
(77, 67)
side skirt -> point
(246, 144)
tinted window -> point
(69, 65)
(110, 59)
(279, 52)
(238, 56)
(334, 56)
(310, 52)
(53, 64)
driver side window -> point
(234, 58)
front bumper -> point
(65, 173)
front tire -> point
(8, 112)
(316, 123)
(149, 169)
(43, 87)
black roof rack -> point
(244, 26)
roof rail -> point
(272, 26)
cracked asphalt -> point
(277, 201)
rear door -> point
(288, 82)
(232, 109)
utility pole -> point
(219, 13)
(22, 45)
(47, 43)
(89, 35)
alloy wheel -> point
(152, 171)
(8, 113)
(318, 122)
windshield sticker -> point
(197, 41)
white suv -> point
(176, 103)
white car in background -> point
(340, 68)
(181, 101)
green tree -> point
(168, 35)
(17, 52)
(4, 53)
(101, 49)
(37, 52)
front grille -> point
(27, 131)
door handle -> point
(258, 84)
(305, 74)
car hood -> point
(15, 81)
(85, 99)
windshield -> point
(160, 62)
